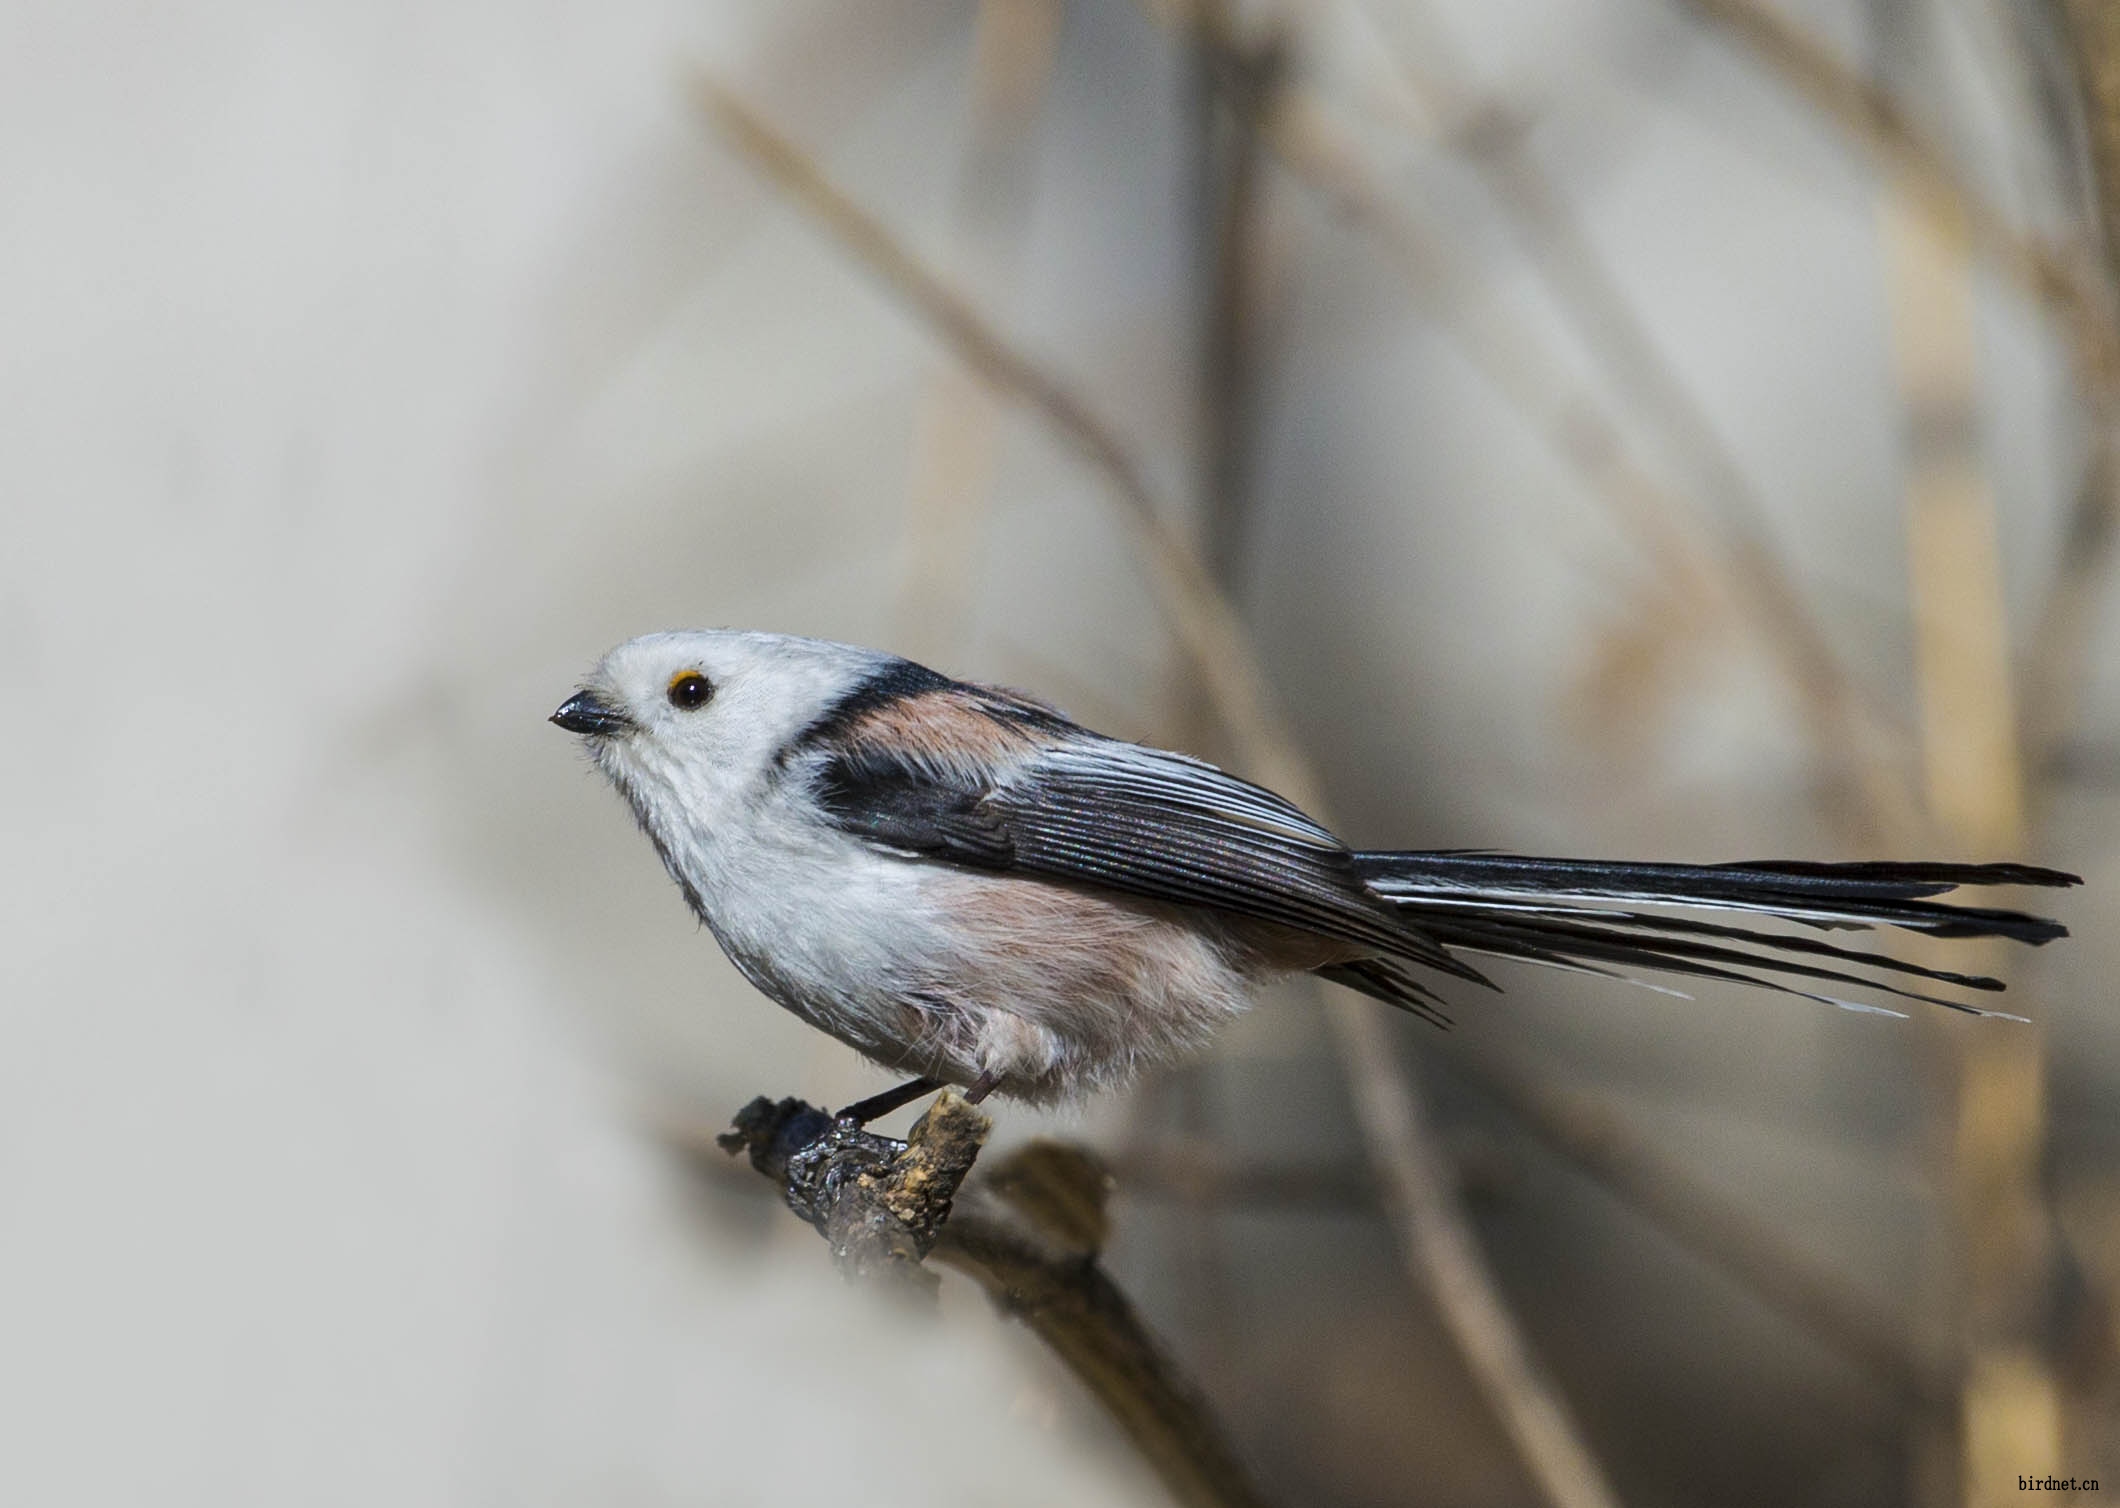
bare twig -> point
(2000, 1253)
(1591, 295)
(1742, 579)
(1238, 87)
(1600, 1144)
(1069, 1208)
(2054, 660)
(1076, 1309)
(1437, 1245)
(1028, 1233)
(1187, 1170)
(1231, 95)
(2093, 31)
(1199, 616)
(1440, 1251)
(1874, 120)
(878, 1202)
(2057, 653)
(957, 433)
(1588, 1135)
(1568, 260)
(1738, 579)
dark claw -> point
(877, 1106)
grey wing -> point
(1141, 821)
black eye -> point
(690, 691)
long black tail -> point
(1598, 917)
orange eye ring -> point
(689, 691)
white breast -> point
(827, 926)
(935, 970)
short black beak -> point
(583, 713)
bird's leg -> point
(983, 1086)
(877, 1106)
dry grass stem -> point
(2057, 653)
(1871, 117)
(1590, 294)
(1194, 1171)
(957, 434)
(1200, 618)
(1739, 579)
(1599, 1143)
(2055, 658)
(2000, 1261)
(1441, 1255)
(1583, 282)
(1236, 95)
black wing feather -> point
(1077, 807)
(892, 801)
(1132, 819)
(1820, 895)
(1552, 911)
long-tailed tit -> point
(965, 886)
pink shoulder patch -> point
(949, 725)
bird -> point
(967, 887)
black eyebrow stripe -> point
(894, 681)
(899, 680)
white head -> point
(686, 723)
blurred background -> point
(1649, 428)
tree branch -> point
(1029, 1233)
(877, 1201)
